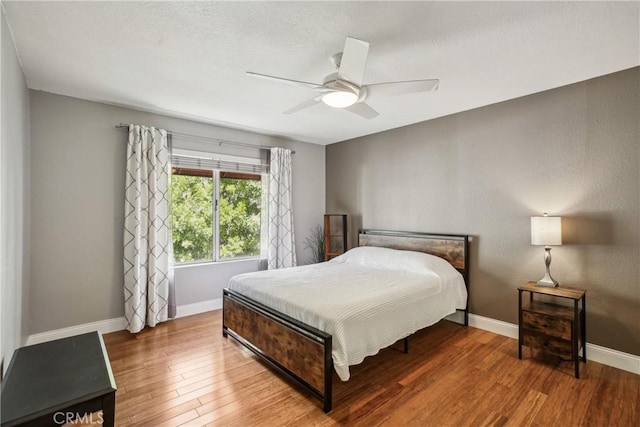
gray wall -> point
(14, 199)
(572, 151)
(78, 163)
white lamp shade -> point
(546, 230)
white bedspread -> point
(367, 299)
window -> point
(192, 203)
(239, 214)
(215, 214)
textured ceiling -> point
(188, 59)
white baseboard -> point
(610, 357)
(606, 356)
(119, 323)
(198, 307)
(104, 326)
(496, 326)
(457, 317)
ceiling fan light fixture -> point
(340, 99)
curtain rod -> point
(124, 126)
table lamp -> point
(546, 231)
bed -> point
(309, 320)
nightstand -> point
(553, 328)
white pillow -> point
(416, 262)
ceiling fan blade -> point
(363, 110)
(354, 61)
(306, 104)
(401, 88)
(283, 80)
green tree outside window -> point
(192, 218)
(239, 217)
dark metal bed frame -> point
(303, 353)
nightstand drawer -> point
(553, 326)
(548, 344)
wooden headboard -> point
(452, 247)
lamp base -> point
(545, 283)
(547, 280)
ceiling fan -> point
(344, 88)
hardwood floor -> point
(184, 372)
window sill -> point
(211, 263)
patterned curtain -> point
(148, 284)
(281, 249)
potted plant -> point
(315, 242)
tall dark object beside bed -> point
(335, 235)
(302, 352)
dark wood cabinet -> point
(335, 235)
(551, 327)
(55, 382)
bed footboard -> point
(299, 351)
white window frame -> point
(205, 156)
